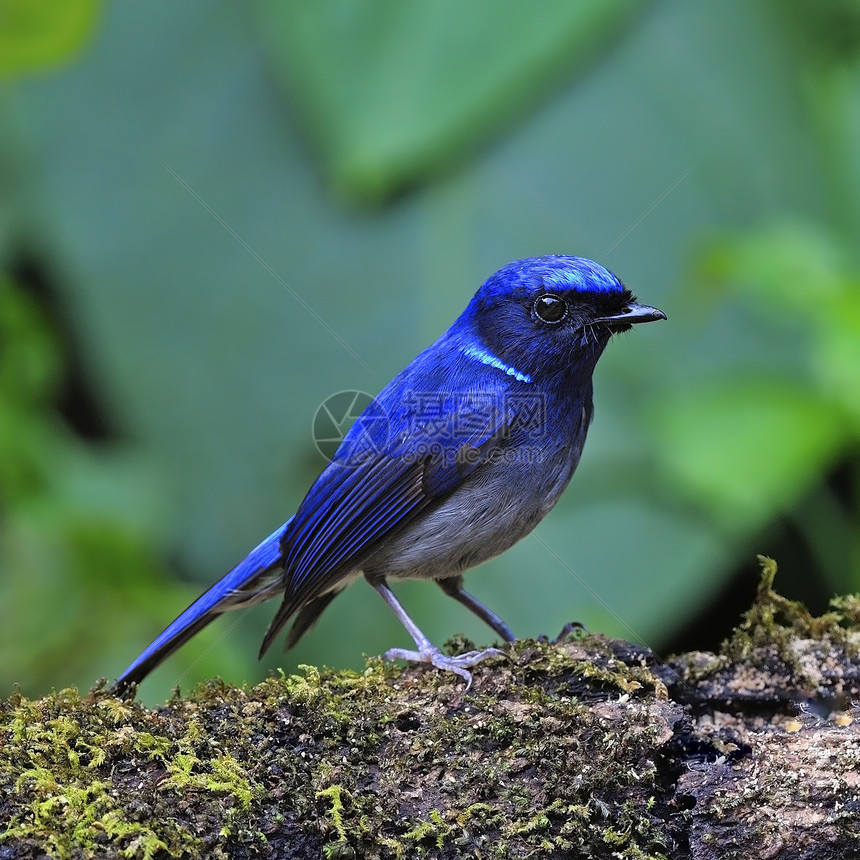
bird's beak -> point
(633, 314)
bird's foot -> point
(576, 628)
(458, 664)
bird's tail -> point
(256, 578)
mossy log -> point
(582, 748)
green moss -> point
(335, 795)
(61, 804)
(221, 774)
(774, 618)
(436, 829)
(563, 750)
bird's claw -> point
(577, 628)
(458, 664)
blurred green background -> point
(215, 215)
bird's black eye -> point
(551, 309)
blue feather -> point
(253, 580)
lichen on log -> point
(586, 747)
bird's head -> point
(552, 314)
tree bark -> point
(586, 747)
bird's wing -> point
(256, 578)
(369, 493)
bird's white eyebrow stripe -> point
(486, 357)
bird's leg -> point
(453, 587)
(427, 652)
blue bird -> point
(462, 454)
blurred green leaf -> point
(836, 352)
(212, 368)
(29, 358)
(80, 527)
(832, 91)
(35, 34)
(393, 91)
(82, 584)
(803, 275)
(788, 269)
(602, 583)
(747, 448)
